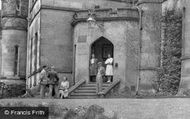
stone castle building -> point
(56, 32)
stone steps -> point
(83, 94)
(83, 97)
(87, 91)
(94, 85)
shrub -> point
(171, 53)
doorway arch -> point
(101, 48)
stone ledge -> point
(14, 16)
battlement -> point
(15, 8)
(14, 14)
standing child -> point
(99, 77)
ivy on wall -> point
(171, 53)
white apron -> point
(109, 67)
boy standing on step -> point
(99, 77)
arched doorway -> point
(101, 48)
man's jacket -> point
(53, 77)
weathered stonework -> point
(13, 46)
(185, 68)
(150, 44)
(59, 35)
(9, 8)
(122, 33)
(14, 25)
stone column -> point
(14, 33)
(150, 44)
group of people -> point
(60, 89)
(49, 79)
(99, 73)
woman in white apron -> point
(109, 68)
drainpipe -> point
(140, 46)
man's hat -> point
(99, 63)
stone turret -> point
(14, 37)
(13, 46)
(150, 43)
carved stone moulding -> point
(14, 23)
(107, 15)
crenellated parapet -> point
(14, 14)
(15, 8)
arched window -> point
(16, 64)
(18, 7)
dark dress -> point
(93, 67)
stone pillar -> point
(150, 44)
(185, 68)
(14, 34)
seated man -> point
(64, 88)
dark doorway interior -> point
(101, 48)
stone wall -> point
(185, 69)
(84, 4)
(150, 45)
(56, 41)
(122, 34)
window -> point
(31, 52)
(35, 57)
(16, 67)
(18, 7)
(35, 51)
